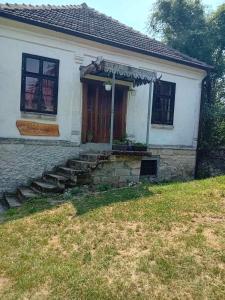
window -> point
(149, 167)
(163, 102)
(39, 90)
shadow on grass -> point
(92, 202)
(82, 203)
(27, 208)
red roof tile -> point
(86, 22)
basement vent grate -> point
(149, 167)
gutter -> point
(101, 40)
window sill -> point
(40, 116)
(161, 126)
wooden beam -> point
(104, 79)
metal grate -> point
(148, 167)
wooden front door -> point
(97, 112)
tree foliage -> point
(186, 26)
(182, 24)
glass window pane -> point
(31, 93)
(49, 68)
(165, 88)
(48, 95)
(32, 65)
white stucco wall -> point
(186, 113)
(16, 38)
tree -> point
(217, 25)
(182, 25)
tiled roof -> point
(86, 22)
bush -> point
(212, 131)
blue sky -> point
(133, 13)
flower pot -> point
(108, 87)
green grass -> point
(148, 242)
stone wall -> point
(118, 170)
(211, 163)
(175, 164)
(24, 160)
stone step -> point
(25, 193)
(93, 157)
(48, 187)
(89, 157)
(55, 178)
(12, 201)
(71, 179)
(77, 171)
(60, 179)
(69, 171)
(81, 164)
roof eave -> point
(104, 41)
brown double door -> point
(97, 112)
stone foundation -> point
(118, 170)
(24, 160)
(21, 161)
(175, 164)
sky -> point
(134, 14)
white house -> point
(54, 61)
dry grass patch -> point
(212, 239)
(5, 283)
(40, 292)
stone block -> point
(125, 179)
(118, 164)
(133, 164)
(96, 179)
(109, 180)
(122, 172)
(135, 172)
(104, 172)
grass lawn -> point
(147, 242)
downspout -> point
(112, 109)
(199, 125)
(150, 96)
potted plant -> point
(139, 147)
(90, 136)
(108, 85)
(120, 145)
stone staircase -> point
(76, 172)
